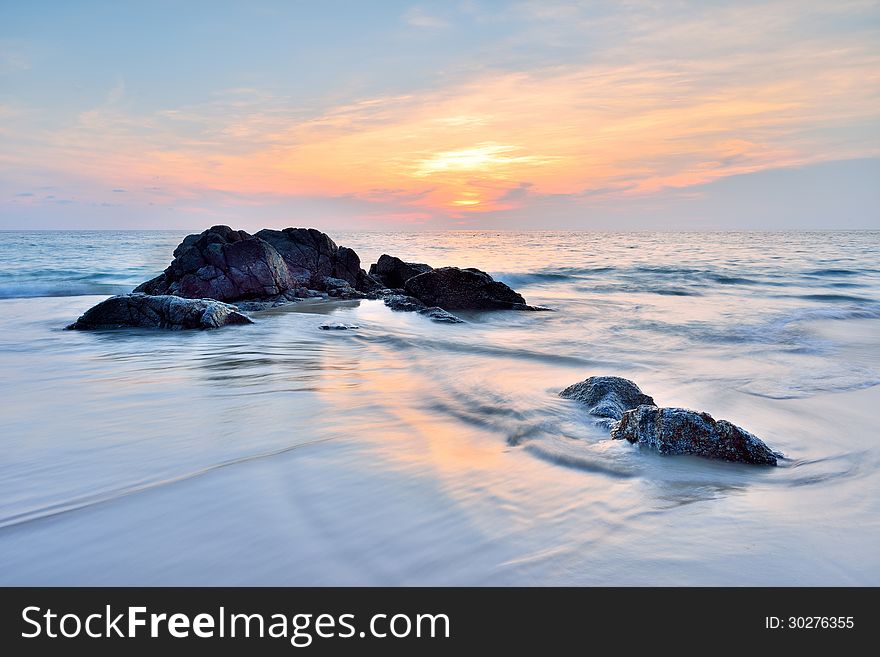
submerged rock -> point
(439, 315)
(162, 311)
(607, 397)
(403, 303)
(682, 431)
(452, 288)
(394, 272)
(406, 303)
(338, 326)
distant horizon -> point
(452, 230)
(477, 114)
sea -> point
(407, 452)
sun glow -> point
(591, 131)
(483, 157)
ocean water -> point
(410, 452)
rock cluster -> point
(418, 287)
(632, 415)
(607, 397)
(275, 267)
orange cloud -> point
(634, 128)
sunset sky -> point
(472, 114)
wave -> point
(831, 297)
(60, 289)
(534, 278)
(869, 311)
(826, 384)
(103, 497)
(400, 343)
(673, 292)
(833, 272)
(783, 331)
(544, 276)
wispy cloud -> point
(658, 100)
(13, 57)
(419, 17)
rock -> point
(223, 264)
(340, 289)
(157, 285)
(291, 296)
(607, 397)
(338, 327)
(439, 315)
(681, 431)
(232, 265)
(330, 283)
(452, 288)
(405, 303)
(273, 267)
(394, 272)
(311, 257)
(163, 311)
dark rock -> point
(157, 285)
(681, 431)
(164, 311)
(291, 296)
(405, 303)
(607, 397)
(452, 288)
(330, 283)
(526, 306)
(311, 257)
(232, 265)
(273, 267)
(439, 315)
(341, 289)
(394, 272)
(338, 326)
(223, 264)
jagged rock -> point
(311, 257)
(223, 264)
(394, 272)
(452, 288)
(682, 431)
(232, 265)
(338, 326)
(163, 311)
(607, 397)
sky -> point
(469, 114)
